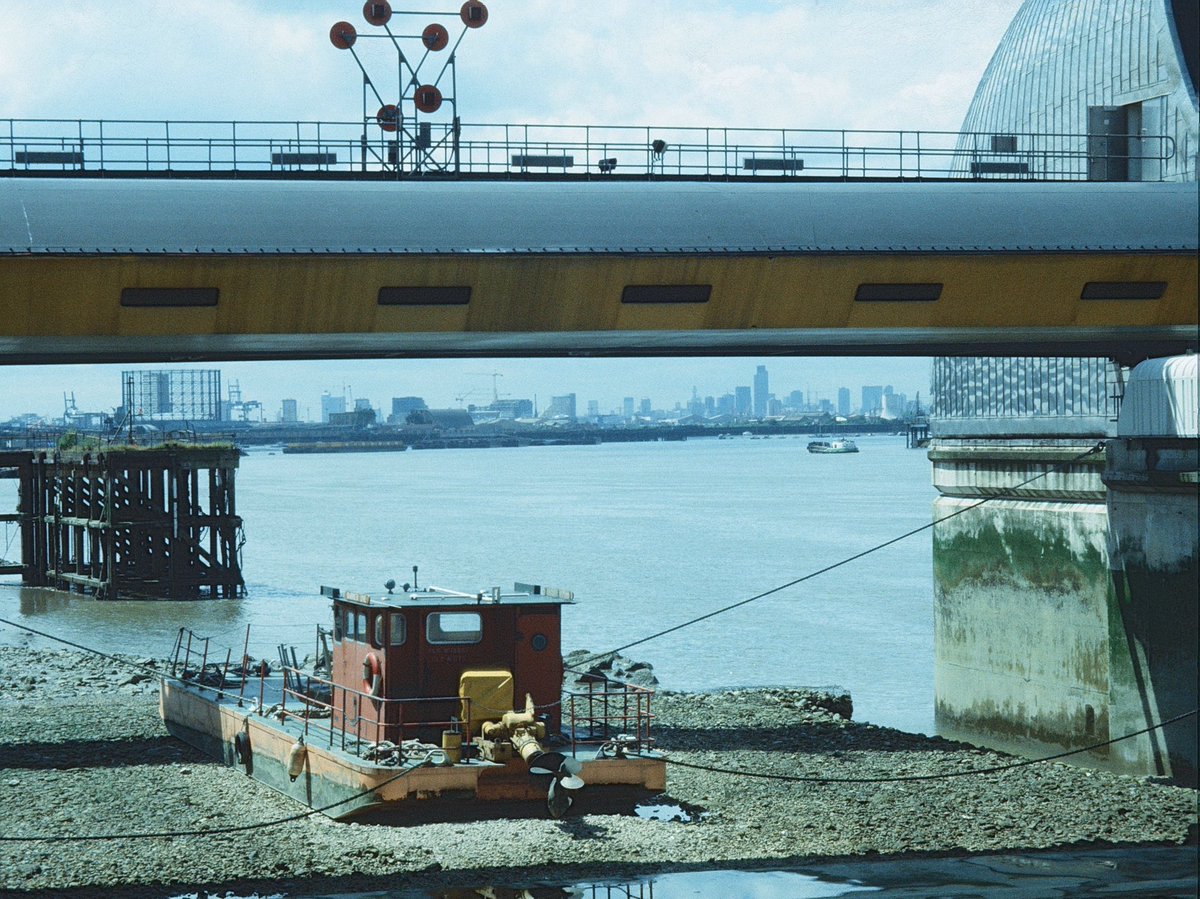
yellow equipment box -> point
(486, 696)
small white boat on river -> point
(833, 446)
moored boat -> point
(841, 445)
(426, 704)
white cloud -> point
(806, 63)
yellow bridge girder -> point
(268, 306)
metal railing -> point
(352, 149)
(611, 713)
(350, 720)
(367, 726)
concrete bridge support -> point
(1065, 611)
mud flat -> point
(82, 752)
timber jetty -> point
(129, 522)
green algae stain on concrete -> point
(1022, 597)
(1037, 553)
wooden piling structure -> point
(156, 523)
(917, 435)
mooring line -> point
(214, 831)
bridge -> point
(104, 258)
(189, 258)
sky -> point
(829, 64)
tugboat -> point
(841, 445)
(426, 704)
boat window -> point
(339, 624)
(454, 627)
(378, 641)
(360, 627)
(399, 629)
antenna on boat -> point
(414, 577)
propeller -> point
(564, 771)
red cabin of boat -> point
(408, 651)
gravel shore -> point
(82, 751)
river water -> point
(647, 535)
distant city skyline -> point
(457, 383)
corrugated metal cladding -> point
(1044, 396)
(1058, 61)
(1162, 399)
(1061, 58)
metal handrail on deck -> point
(458, 150)
(189, 664)
(379, 725)
(608, 711)
(199, 671)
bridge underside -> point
(164, 270)
(201, 307)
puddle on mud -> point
(667, 811)
(1081, 874)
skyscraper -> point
(843, 404)
(741, 402)
(761, 392)
(561, 407)
(331, 405)
(872, 400)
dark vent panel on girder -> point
(424, 296)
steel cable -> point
(1004, 492)
(208, 832)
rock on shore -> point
(583, 668)
(82, 751)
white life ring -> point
(372, 675)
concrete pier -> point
(1065, 611)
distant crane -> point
(493, 375)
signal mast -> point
(409, 138)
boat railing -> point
(609, 713)
(606, 713)
(353, 721)
(193, 660)
(360, 722)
